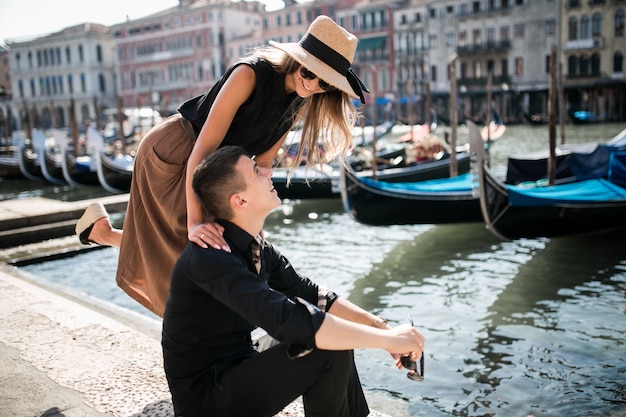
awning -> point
(371, 43)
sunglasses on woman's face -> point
(308, 75)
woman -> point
(254, 105)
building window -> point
(102, 83)
(450, 40)
(585, 27)
(505, 33)
(433, 73)
(618, 63)
(572, 29)
(477, 70)
(550, 27)
(99, 53)
(619, 23)
(433, 41)
(595, 64)
(80, 53)
(462, 39)
(504, 68)
(596, 25)
(70, 84)
(476, 37)
(584, 65)
(572, 66)
(83, 83)
(518, 31)
(519, 66)
(491, 36)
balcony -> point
(497, 80)
(579, 44)
(484, 48)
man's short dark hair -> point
(215, 180)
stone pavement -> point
(63, 358)
(66, 357)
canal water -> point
(513, 328)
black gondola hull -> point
(382, 207)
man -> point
(217, 298)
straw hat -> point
(327, 50)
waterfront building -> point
(53, 74)
(404, 54)
(180, 52)
(414, 72)
(594, 45)
(508, 39)
(5, 92)
(372, 22)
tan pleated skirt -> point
(155, 226)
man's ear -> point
(237, 201)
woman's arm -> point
(231, 97)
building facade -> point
(51, 74)
(593, 48)
(168, 57)
(404, 55)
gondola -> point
(114, 172)
(428, 196)
(440, 201)
(9, 163)
(79, 170)
(306, 182)
(29, 162)
(584, 206)
(51, 165)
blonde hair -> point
(326, 117)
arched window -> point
(572, 29)
(595, 64)
(584, 65)
(618, 62)
(585, 27)
(619, 23)
(102, 83)
(596, 25)
(572, 66)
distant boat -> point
(591, 204)
(114, 172)
(536, 119)
(50, 158)
(580, 117)
(9, 163)
(306, 182)
(30, 161)
(440, 201)
(77, 170)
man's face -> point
(260, 192)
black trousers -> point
(264, 384)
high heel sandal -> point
(93, 213)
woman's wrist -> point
(380, 323)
